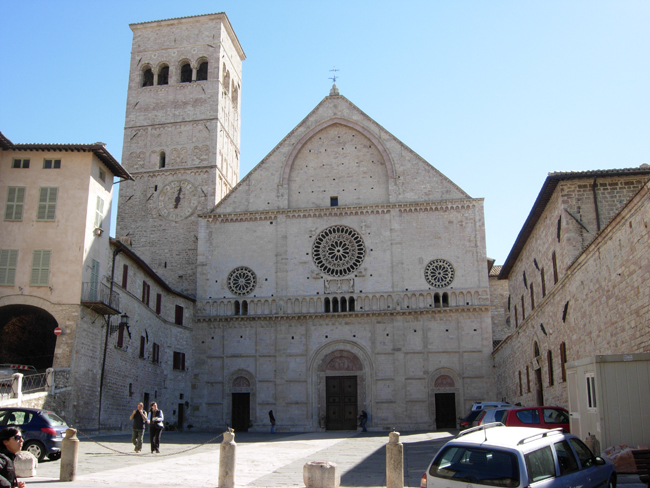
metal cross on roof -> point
(333, 78)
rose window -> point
(242, 281)
(439, 273)
(338, 250)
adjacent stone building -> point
(578, 278)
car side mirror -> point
(599, 461)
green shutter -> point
(8, 264)
(15, 203)
(47, 203)
(40, 268)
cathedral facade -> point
(343, 273)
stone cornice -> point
(173, 171)
(476, 309)
(440, 206)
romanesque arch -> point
(339, 360)
(445, 398)
(27, 336)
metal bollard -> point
(227, 458)
(69, 455)
(394, 462)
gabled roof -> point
(98, 148)
(545, 194)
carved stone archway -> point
(241, 381)
(444, 381)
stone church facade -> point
(344, 273)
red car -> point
(540, 417)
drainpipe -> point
(596, 206)
(108, 328)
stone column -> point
(17, 386)
(69, 455)
(227, 459)
(394, 462)
(50, 379)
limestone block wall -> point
(284, 361)
(502, 326)
(600, 305)
(558, 239)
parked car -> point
(492, 415)
(542, 417)
(43, 430)
(474, 415)
(484, 405)
(517, 457)
(470, 419)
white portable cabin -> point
(609, 397)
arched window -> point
(161, 159)
(344, 304)
(244, 307)
(351, 304)
(335, 305)
(163, 75)
(235, 98)
(237, 308)
(202, 73)
(147, 77)
(226, 79)
(436, 301)
(445, 299)
(186, 73)
(327, 305)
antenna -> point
(334, 77)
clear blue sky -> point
(494, 94)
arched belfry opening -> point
(342, 379)
(27, 336)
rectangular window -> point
(99, 213)
(40, 268)
(527, 379)
(334, 201)
(158, 303)
(20, 163)
(8, 263)
(532, 296)
(15, 203)
(179, 361)
(47, 203)
(51, 164)
(554, 258)
(521, 388)
(179, 315)
(146, 289)
(543, 283)
(516, 317)
(591, 391)
(120, 336)
(155, 353)
(523, 309)
(563, 360)
(125, 275)
(102, 175)
(549, 360)
(142, 346)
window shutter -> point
(99, 215)
(51, 207)
(42, 204)
(8, 263)
(40, 268)
(19, 203)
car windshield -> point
(53, 419)
(481, 466)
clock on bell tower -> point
(181, 138)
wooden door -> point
(341, 393)
(445, 410)
(241, 411)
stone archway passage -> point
(27, 336)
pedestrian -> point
(140, 421)
(11, 442)
(156, 427)
(364, 418)
(272, 419)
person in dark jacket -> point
(11, 442)
(156, 427)
(140, 421)
(272, 420)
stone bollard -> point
(394, 462)
(321, 474)
(69, 455)
(227, 458)
(25, 464)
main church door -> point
(445, 410)
(341, 393)
(241, 411)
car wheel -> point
(36, 448)
(612, 482)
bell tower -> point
(181, 138)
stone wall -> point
(600, 305)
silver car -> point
(517, 457)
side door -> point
(568, 467)
(596, 475)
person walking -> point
(11, 442)
(364, 420)
(272, 419)
(140, 421)
(156, 427)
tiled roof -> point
(178, 18)
(98, 148)
(496, 269)
(552, 180)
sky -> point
(494, 94)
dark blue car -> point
(43, 430)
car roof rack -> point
(531, 438)
(479, 428)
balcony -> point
(98, 297)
